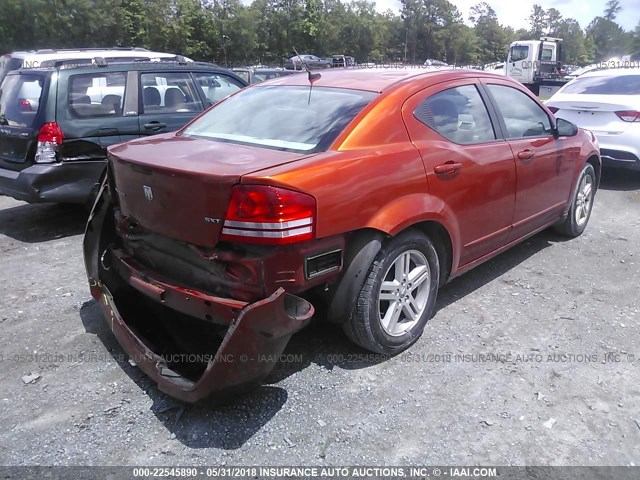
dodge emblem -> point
(148, 193)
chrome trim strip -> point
(267, 234)
(269, 226)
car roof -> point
(129, 65)
(375, 79)
(132, 66)
(43, 55)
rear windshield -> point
(607, 85)
(20, 99)
(294, 118)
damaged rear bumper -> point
(69, 182)
(255, 337)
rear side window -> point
(458, 114)
(523, 117)
(605, 85)
(216, 87)
(519, 52)
(164, 92)
(20, 99)
(97, 94)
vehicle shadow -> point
(35, 223)
(469, 282)
(325, 344)
(618, 179)
(227, 427)
(321, 343)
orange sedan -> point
(365, 190)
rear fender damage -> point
(250, 348)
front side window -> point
(20, 98)
(458, 114)
(292, 118)
(217, 86)
(97, 94)
(547, 54)
(165, 92)
(523, 117)
(519, 52)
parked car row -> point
(311, 62)
(260, 74)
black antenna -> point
(311, 76)
(302, 62)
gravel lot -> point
(532, 358)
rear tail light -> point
(268, 215)
(628, 115)
(553, 109)
(24, 105)
(49, 140)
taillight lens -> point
(268, 215)
(553, 109)
(49, 140)
(628, 115)
(24, 105)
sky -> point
(514, 13)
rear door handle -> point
(447, 168)
(526, 154)
(155, 126)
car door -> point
(91, 113)
(544, 167)
(168, 100)
(468, 166)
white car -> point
(606, 102)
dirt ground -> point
(532, 358)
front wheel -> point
(582, 204)
(398, 296)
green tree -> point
(492, 39)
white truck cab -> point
(536, 62)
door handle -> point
(526, 154)
(447, 168)
(155, 125)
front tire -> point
(398, 297)
(582, 204)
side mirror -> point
(565, 128)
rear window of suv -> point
(605, 85)
(20, 97)
(292, 118)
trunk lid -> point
(180, 186)
(20, 106)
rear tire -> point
(398, 296)
(581, 205)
